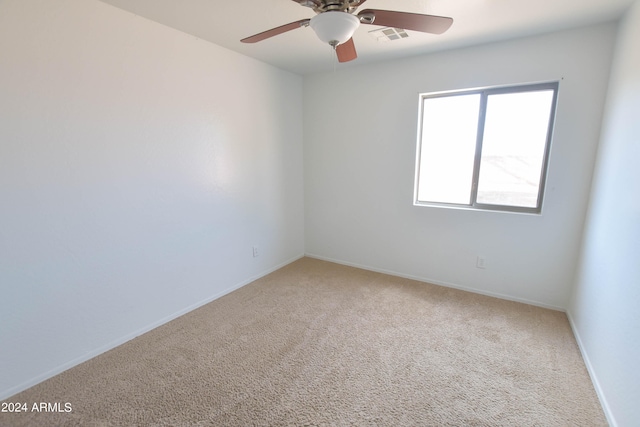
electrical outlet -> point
(255, 251)
(480, 262)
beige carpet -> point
(321, 344)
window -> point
(485, 148)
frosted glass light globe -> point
(334, 27)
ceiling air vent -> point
(388, 34)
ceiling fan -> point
(335, 24)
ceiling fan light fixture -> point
(334, 27)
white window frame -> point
(484, 93)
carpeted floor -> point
(321, 344)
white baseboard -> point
(594, 378)
(439, 283)
(5, 394)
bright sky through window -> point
(448, 148)
(485, 148)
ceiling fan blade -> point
(408, 21)
(346, 51)
(275, 31)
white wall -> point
(360, 129)
(138, 166)
(604, 309)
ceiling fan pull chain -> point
(334, 57)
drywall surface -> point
(360, 146)
(604, 308)
(138, 168)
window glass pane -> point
(513, 148)
(448, 145)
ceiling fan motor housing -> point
(334, 27)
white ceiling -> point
(475, 21)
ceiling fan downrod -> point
(321, 6)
